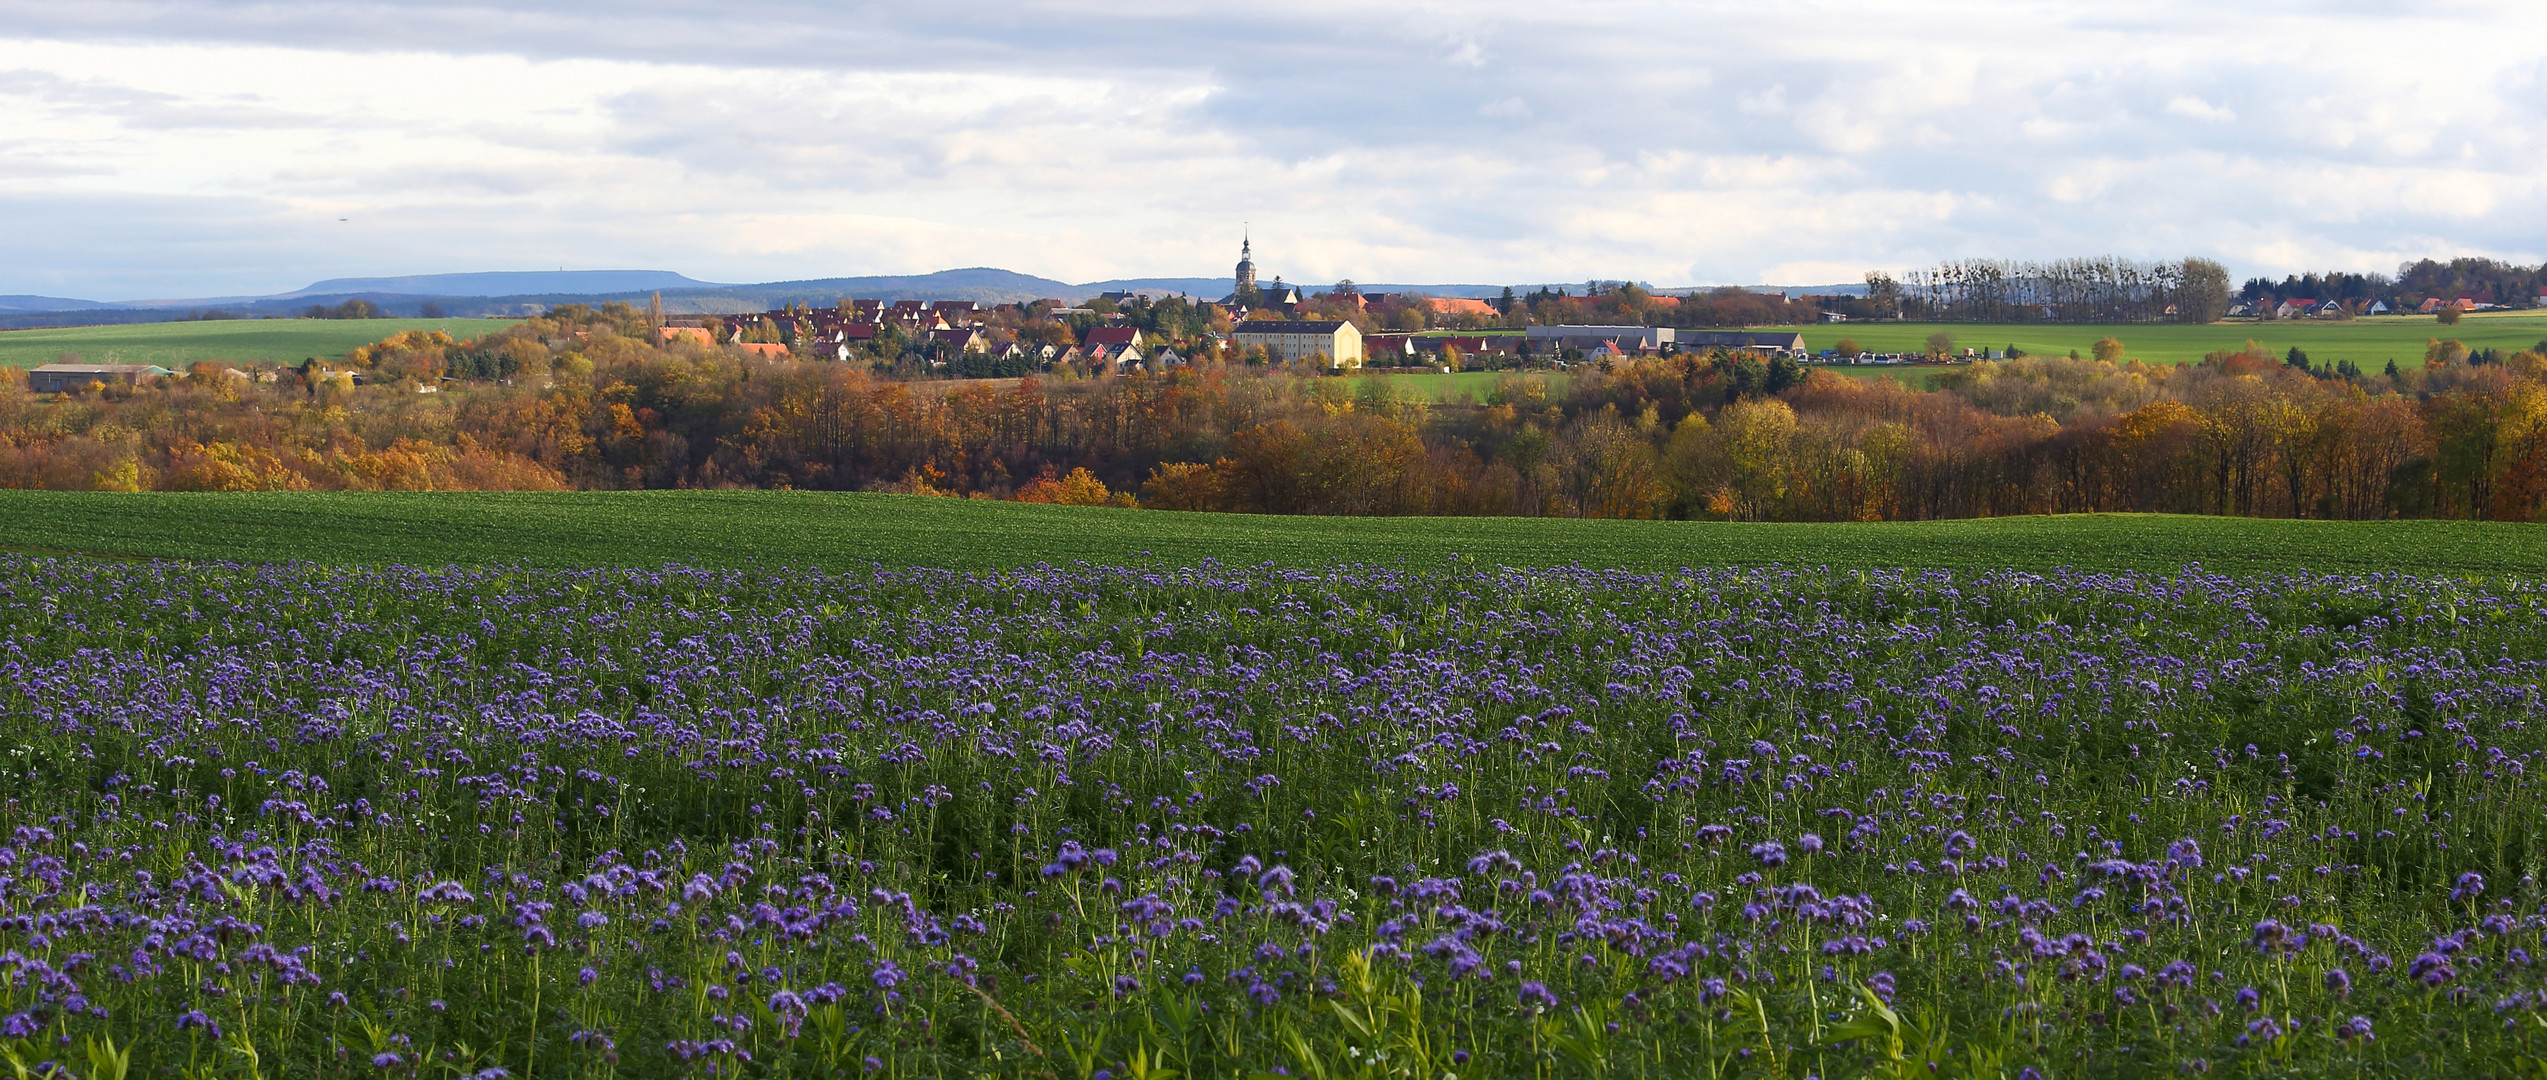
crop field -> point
(2370, 343)
(1355, 821)
(176, 344)
(847, 531)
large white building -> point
(1338, 341)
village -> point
(1335, 329)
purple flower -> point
(2431, 969)
(2339, 981)
(1770, 853)
(1536, 997)
(2357, 1028)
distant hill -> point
(983, 284)
(44, 303)
(529, 292)
(1197, 287)
(503, 283)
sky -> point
(153, 149)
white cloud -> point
(208, 146)
(2198, 109)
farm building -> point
(1587, 338)
(65, 378)
(1783, 342)
(1473, 345)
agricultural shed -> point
(62, 378)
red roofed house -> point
(1391, 346)
(698, 334)
(1111, 338)
(770, 349)
(964, 340)
(2293, 309)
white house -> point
(1340, 342)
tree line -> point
(2088, 290)
(589, 399)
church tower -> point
(1246, 266)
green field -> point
(843, 530)
(174, 345)
(2370, 343)
(1468, 385)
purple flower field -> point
(269, 821)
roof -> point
(103, 369)
(1445, 305)
(1111, 335)
(1739, 339)
(1270, 326)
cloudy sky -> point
(211, 147)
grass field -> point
(2370, 343)
(1468, 385)
(846, 530)
(175, 345)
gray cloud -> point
(1682, 143)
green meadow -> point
(1467, 385)
(174, 345)
(756, 528)
(2370, 343)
